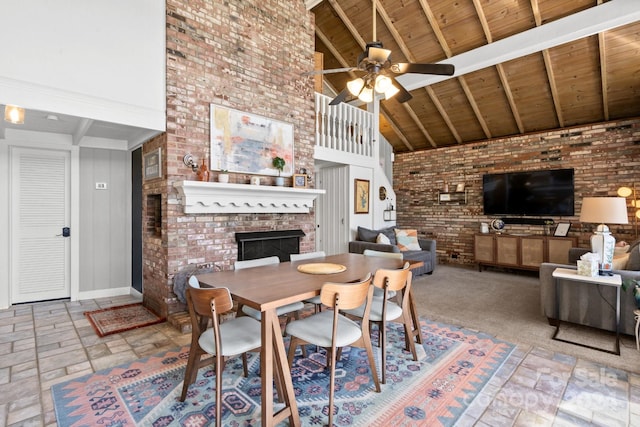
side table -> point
(614, 280)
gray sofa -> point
(366, 239)
(586, 304)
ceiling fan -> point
(379, 71)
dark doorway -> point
(136, 219)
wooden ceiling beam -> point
(603, 75)
(347, 22)
(416, 119)
(602, 47)
(363, 44)
(325, 40)
(535, 8)
(407, 53)
(396, 129)
(593, 20)
(433, 22)
(512, 102)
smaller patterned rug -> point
(114, 320)
(454, 366)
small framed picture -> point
(152, 167)
(562, 229)
(361, 193)
(299, 180)
(460, 187)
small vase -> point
(223, 177)
(203, 172)
(279, 181)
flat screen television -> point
(532, 193)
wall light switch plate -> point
(101, 185)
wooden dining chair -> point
(317, 303)
(223, 339)
(332, 330)
(290, 310)
(377, 292)
(383, 310)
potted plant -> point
(223, 176)
(278, 163)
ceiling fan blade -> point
(340, 98)
(403, 95)
(438, 69)
(331, 71)
(378, 54)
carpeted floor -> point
(506, 304)
(454, 366)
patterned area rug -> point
(122, 318)
(454, 365)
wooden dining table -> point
(268, 287)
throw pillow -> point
(383, 239)
(407, 240)
(620, 262)
(634, 258)
(390, 232)
(367, 235)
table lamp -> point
(612, 210)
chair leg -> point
(408, 334)
(332, 382)
(244, 365)
(219, 361)
(382, 332)
(372, 363)
(193, 363)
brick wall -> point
(248, 55)
(604, 156)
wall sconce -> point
(635, 203)
(188, 161)
(13, 114)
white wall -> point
(99, 59)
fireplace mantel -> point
(214, 197)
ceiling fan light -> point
(355, 86)
(383, 83)
(391, 92)
(366, 95)
(13, 114)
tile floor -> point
(46, 343)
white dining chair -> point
(317, 304)
(288, 309)
(333, 331)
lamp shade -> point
(601, 210)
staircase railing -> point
(343, 127)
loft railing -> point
(343, 127)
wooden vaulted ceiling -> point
(514, 74)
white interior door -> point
(40, 209)
(332, 210)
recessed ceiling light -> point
(52, 117)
